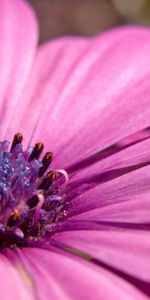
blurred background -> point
(87, 17)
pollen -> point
(32, 197)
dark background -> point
(87, 17)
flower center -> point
(32, 200)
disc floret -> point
(31, 196)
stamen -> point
(46, 161)
(31, 202)
(41, 198)
(36, 152)
(36, 200)
(18, 138)
(65, 174)
(14, 218)
(48, 180)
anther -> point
(18, 137)
(33, 201)
(36, 152)
(48, 180)
(14, 218)
(46, 161)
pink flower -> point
(88, 101)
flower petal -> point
(12, 286)
(101, 191)
(86, 87)
(128, 212)
(116, 156)
(62, 276)
(16, 54)
(126, 250)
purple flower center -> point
(31, 199)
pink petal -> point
(45, 79)
(118, 156)
(78, 79)
(12, 286)
(126, 250)
(59, 276)
(125, 198)
(37, 94)
(132, 212)
(133, 186)
(16, 54)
